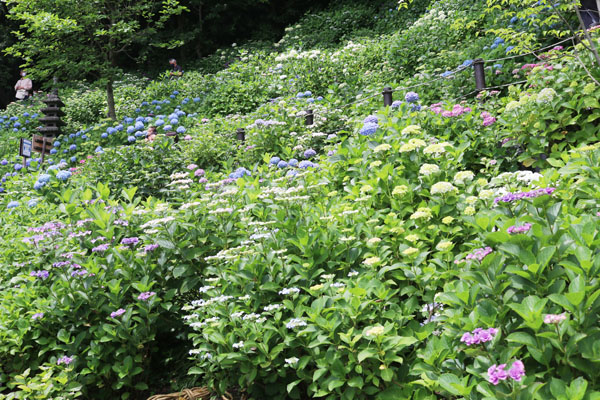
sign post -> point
(42, 144)
(25, 150)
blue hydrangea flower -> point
(26, 114)
(397, 104)
(99, 150)
(139, 134)
(292, 172)
(497, 66)
(282, 164)
(18, 167)
(73, 159)
(311, 100)
(320, 98)
(65, 151)
(308, 93)
(144, 103)
(309, 153)
(13, 204)
(63, 175)
(44, 178)
(411, 97)
(293, 162)
(38, 185)
(274, 160)
(54, 151)
(73, 147)
(196, 99)
(467, 63)
(371, 119)
(369, 129)
(139, 125)
(498, 40)
(159, 122)
(4, 162)
(104, 135)
(17, 125)
(32, 203)
(131, 139)
(167, 127)
(130, 130)
(119, 128)
(494, 46)
(306, 164)
(300, 95)
(175, 92)
(416, 107)
(509, 48)
(239, 173)
(174, 121)
(56, 143)
(84, 137)
(181, 130)
(513, 20)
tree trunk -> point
(587, 35)
(110, 99)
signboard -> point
(42, 144)
(25, 148)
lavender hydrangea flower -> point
(496, 373)
(513, 197)
(151, 247)
(65, 360)
(517, 371)
(117, 313)
(519, 229)
(37, 316)
(101, 248)
(411, 97)
(371, 119)
(479, 336)
(146, 295)
(309, 153)
(132, 241)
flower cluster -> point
(519, 229)
(554, 318)
(479, 254)
(497, 373)
(479, 336)
(512, 197)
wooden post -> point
(310, 118)
(388, 98)
(241, 134)
(478, 66)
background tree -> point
(75, 39)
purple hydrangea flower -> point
(479, 336)
(496, 373)
(130, 241)
(411, 97)
(512, 197)
(479, 254)
(37, 316)
(150, 247)
(101, 248)
(146, 295)
(519, 229)
(65, 360)
(117, 313)
(517, 371)
(309, 153)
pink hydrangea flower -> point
(517, 371)
(554, 318)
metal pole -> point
(387, 96)
(478, 66)
(241, 134)
(310, 118)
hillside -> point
(442, 246)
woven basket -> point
(186, 394)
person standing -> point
(177, 70)
(23, 87)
